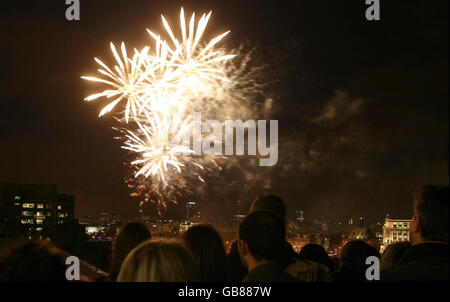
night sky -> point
(362, 106)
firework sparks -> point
(156, 88)
(196, 66)
(166, 78)
(127, 81)
(155, 148)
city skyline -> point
(15, 191)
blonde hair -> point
(158, 261)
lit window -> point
(27, 221)
(40, 206)
(39, 221)
(28, 205)
(59, 207)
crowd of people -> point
(259, 254)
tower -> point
(189, 205)
(299, 217)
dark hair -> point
(270, 203)
(207, 248)
(264, 234)
(33, 261)
(131, 235)
(317, 253)
(393, 254)
(237, 271)
(234, 247)
(431, 205)
(354, 254)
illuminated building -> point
(32, 210)
(66, 208)
(116, 219)
(395, 230)
(105, 218)
(185, 225)
(28, 209)
(239, 207)
(238, 218)
(190, 205)
(299, 242)
(299, 216)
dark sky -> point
(362, 106)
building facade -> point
(395, 230)
(66, 208)
(32, 210)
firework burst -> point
(158, 86)
(154, 145)
(197, 66)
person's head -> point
(237, 270)
(317, 253)
(270, 203)
(354, 254)
(158, 261)
(430, 217)
(131, 235)
(207, 248)
(261, 238)
(393, 253)
(234, 247)
(33, 261)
